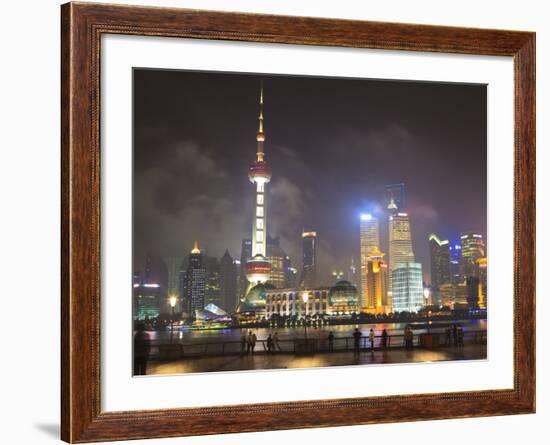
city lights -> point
(317, 271)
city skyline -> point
(220, 216)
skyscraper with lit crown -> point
(376, 297)
(473, 248)
(195, 282)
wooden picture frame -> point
(82, 26)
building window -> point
(260, 223)
(260, 199)
(259, 235)
(260, 211)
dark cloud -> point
(333, 145)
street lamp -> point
(305, 297)
(426, 296)
(173, 301)
(426, 304)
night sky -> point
(333, 145)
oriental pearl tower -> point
(258, 267)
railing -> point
(315, 344)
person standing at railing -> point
(251, 342)
(384, 339)
(371, 339)
(330, 342)
(276, 344)
(460, 335)
(455, 334)
(447, 336)
(142, 347)
(269, 344)
(409, 338)
(357, 341)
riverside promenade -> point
(228, 356)
(262, 360)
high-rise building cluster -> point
(394, 285)
(459, 271)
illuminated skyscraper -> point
(376, 296)
(455, 253)
(194, 286)
(473, 248)
(408, 291)
(400, 244)
(308, 279)
(440, 265)
(369, 241)
(280, 263)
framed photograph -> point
(275, 222)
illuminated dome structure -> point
(255, 298)
(343, 298)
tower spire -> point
(260, 136)
(195, 248)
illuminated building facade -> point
(280, 264)
(308, 279)
(147, 300)
(408, 290)
(454, 295)
(290, 302)
(400, 242)
(456, 255)
(481, 268)
(440, 265)
(194, 285)
(369, 238)
(376, 299)
(472, 248)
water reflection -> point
(188, 336)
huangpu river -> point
(189, 336)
